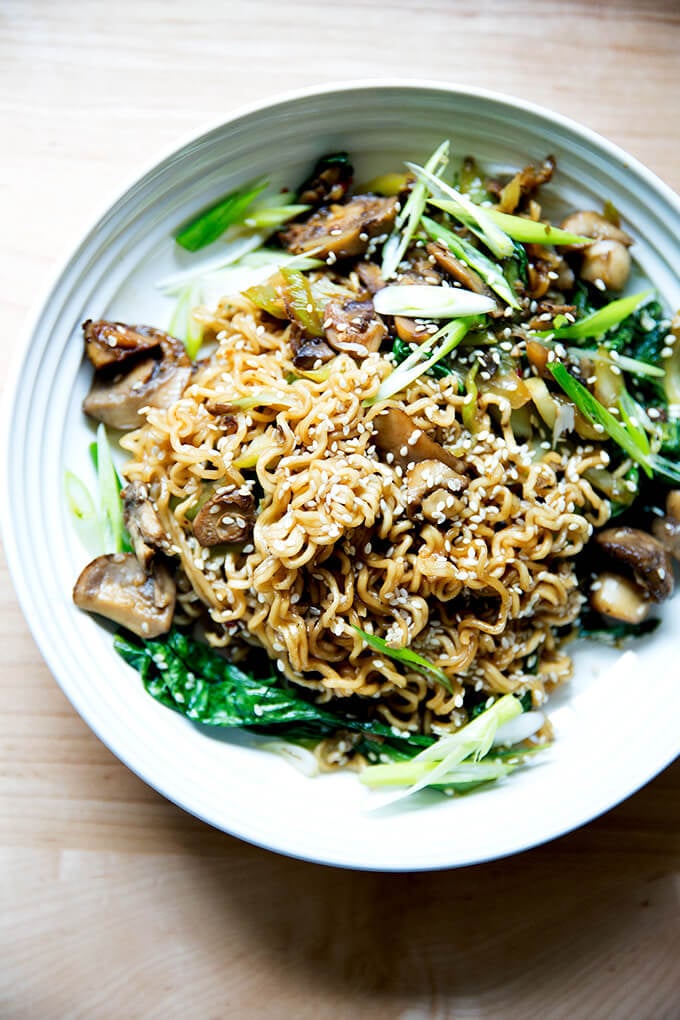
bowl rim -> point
(69, 253)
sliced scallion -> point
(416, 365)
(426, 301)
(405, 656)
(209, 225)
(109, 492)
(489, 271)
(599, 322)
(408, 219)
(473, 216)
(533, 231)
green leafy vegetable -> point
(209, 225)
(199, 683)
(614, 633)
(477, 260)
(405, 656)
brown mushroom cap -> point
(150, 383)
(137, 367)
(395, 433)
(353, 327)
(117, 586)
(228, 516)
(667, 529)
(109, 343)
(342, 230)
(447, 261)
(642, 554)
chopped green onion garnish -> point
(109, 492)
(477, 260)
(414, 366)
(183, 323)
(405, 656)
(599, 322)
(85, 514)
(430, 302)
(597, 414)
(473, 216)
(395, 247)
(533, 231)
(471, 743)
(273, 217)
(209, 225)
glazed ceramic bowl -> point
(612, 735)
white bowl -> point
(616, 723)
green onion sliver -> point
(599, 322)
(489, 271)
(414, 366)
(405, 656)
(533, 231)
(395, 246)
(209, 225)
(473, 216)
(597, 414)
(109, 491)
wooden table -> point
(116, 904)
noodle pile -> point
(484, 594)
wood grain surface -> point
(116, 904)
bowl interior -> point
(610, 735)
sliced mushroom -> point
(329, 182)
(120, 391)
(396, 435)
(228, 516)
(342, 230)
(620, 598)
(414, 331)
(109, 343)
(117, 586)
(667, 529)
(353, 327)
(432, 491)
(150, 383)
(447, 261)
(642, 554)
(143, 523)
(308, 352)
